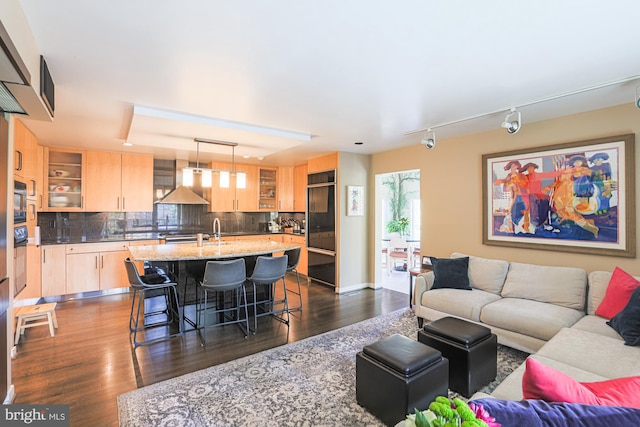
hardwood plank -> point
(91, 361)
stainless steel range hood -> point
(182, 195)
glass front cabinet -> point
(64, 171)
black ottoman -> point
(396, 375)
(472, 351)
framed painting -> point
(355, 200)
(572, 197)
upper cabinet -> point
(233, 192)
(65, 175)
(285, 188)
(300, 188)
(268, 189)
(119, 182)
(324, 163)
(25, 158)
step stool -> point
(30, 313)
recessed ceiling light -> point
(359, 143)
(127, 144)
(246, 157)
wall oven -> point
(321, 227)
(20, 238)
(19, 202)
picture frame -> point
(355, 200)
(574, 197)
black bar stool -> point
(267, 272)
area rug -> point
(307, 383)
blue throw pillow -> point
(451, 273)
(627, 322)
(534, 413)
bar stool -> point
(267, 272)
(293, 256)
(152, 283)
(221, 277)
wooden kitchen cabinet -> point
(54, 267)
(119, 182)
(64, 179)
(303, 264)
(137, 183)
(268, 189)
(300, 188)
(96, 266)
(226, 195)
(286, 176)
(322, 164)
(34, 277)
(25, 157)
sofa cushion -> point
(604, 356)
(466, 305)
(598, 283)
(564, 286)
(537, 413)
(546, 383)
(597, 325)
(627, 322)
(619, 290)
(451, 273)
(532, 318)
(484, 273)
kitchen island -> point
(210, 250)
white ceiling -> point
(159, 73)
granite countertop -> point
(210, 250)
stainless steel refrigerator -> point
(321, 226)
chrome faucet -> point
(216, 235)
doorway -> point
(397, 223)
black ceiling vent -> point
(47, 90)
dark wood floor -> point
(91, 361)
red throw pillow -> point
(620, 288)
(548, 384)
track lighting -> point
(638, 96)
(512, 126)
(429, 140)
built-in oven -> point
(321, 226)
(19, 202)
(20, 238)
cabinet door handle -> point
(123, 203)
(118, 203)
(19, 153)
(102, 262)
(41, 201)
(44, 256)
(34, 191)
(96, 262)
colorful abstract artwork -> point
(573, 197)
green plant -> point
(398, 226)
(399, 200)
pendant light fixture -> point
(207, 174)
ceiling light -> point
(512, 122)
(638, 96)
(207, 174)
(127, 144)
(429, 140)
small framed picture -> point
(355, 200)
(426, 262)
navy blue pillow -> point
(627, 322)
(451, 273)
(534, 413)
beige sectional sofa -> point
(547, 311)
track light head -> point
(512, 122)
(638, 96)
(429, 140)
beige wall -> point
(451, 188)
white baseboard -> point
(345, 289)
(11, 394)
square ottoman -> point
(472, 351)
(396, 375)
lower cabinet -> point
(96, 266)
(54, 270)
(303, 264)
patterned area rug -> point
(309, 382)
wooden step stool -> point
(31, 313)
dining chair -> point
(293, 258)
(147, 287)
(397, 250)
(266, 274)
(222, 278)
